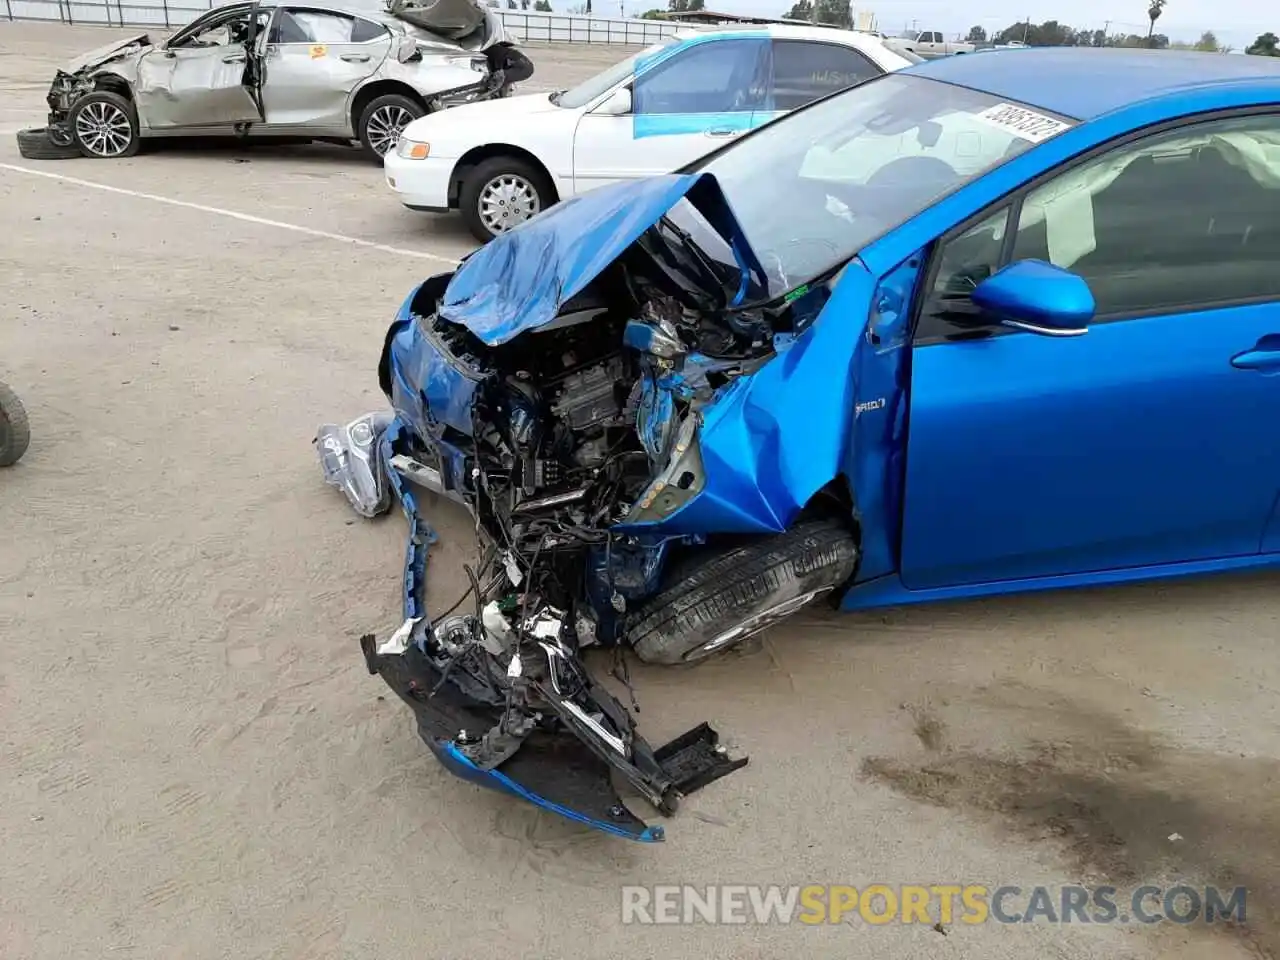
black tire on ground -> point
(495, 169)
(707, 598)
(15, 434)
(387, 113)
(35, 144)
(117, 113)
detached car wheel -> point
(382, 122)
(15, 434)
(714, 603)
(104, 126)
(40, 144)
(501, 193)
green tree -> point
(654, 14)
(834, 13)
(686, 6)
(1153, 14)
(976, 35)
(1267, 45)
(1208, 43)
(800, 10)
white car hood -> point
(480, 122)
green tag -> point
(796, 294)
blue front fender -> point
(775, 438)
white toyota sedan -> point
(502, 161)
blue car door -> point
(1152, 438)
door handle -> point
(721, 133)
(355, 57)
(233, 58)
(1257, 360)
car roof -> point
(1086, 82)
(786, 31)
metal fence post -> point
(8, 8)
(166, 13)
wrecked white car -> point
(280, 71)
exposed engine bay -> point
(561, 441)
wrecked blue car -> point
(940, 335)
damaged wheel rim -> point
(507, 201)
(104, 129)
(754, 624)
(385, 126)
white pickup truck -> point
(930, 43)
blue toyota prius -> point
(988, 324)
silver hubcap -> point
(385, 126)
(754, 624)
(507, 201)
(104, 129)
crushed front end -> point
(82, 76)
(502, 699)
(562, 407)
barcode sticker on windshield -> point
(1022, 122)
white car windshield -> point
(588, 90)
(851, 167)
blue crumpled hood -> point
(520, 279)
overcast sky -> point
(1236, 22)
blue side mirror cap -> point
(1037, 297)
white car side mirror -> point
(617, 105)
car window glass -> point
(971, 257)
(804, 71)
(717, 76)
(219, 32)
(1185, 217)
(311, 26)
(362, 31)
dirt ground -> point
(194, 762)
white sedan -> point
(502, 161)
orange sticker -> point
(318, 50)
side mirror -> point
(1037, 297)
(617, 105)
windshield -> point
(849, 168)
(588, 90)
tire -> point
(104, 126)
(15, 433)
(697, 613)
(35, 144)
(388, 115)
(502, 180)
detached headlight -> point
(408, 149)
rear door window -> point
(804, 70)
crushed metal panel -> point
(202, 86)
(108, 51)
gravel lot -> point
(195, 764)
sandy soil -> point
(194, 762)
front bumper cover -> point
(567, 760)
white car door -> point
(684, 104)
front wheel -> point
(383, 120)
(501, 193)
(104, 126)
(715, 602)
(15, 434)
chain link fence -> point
(171, 14)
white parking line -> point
(234, 215)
